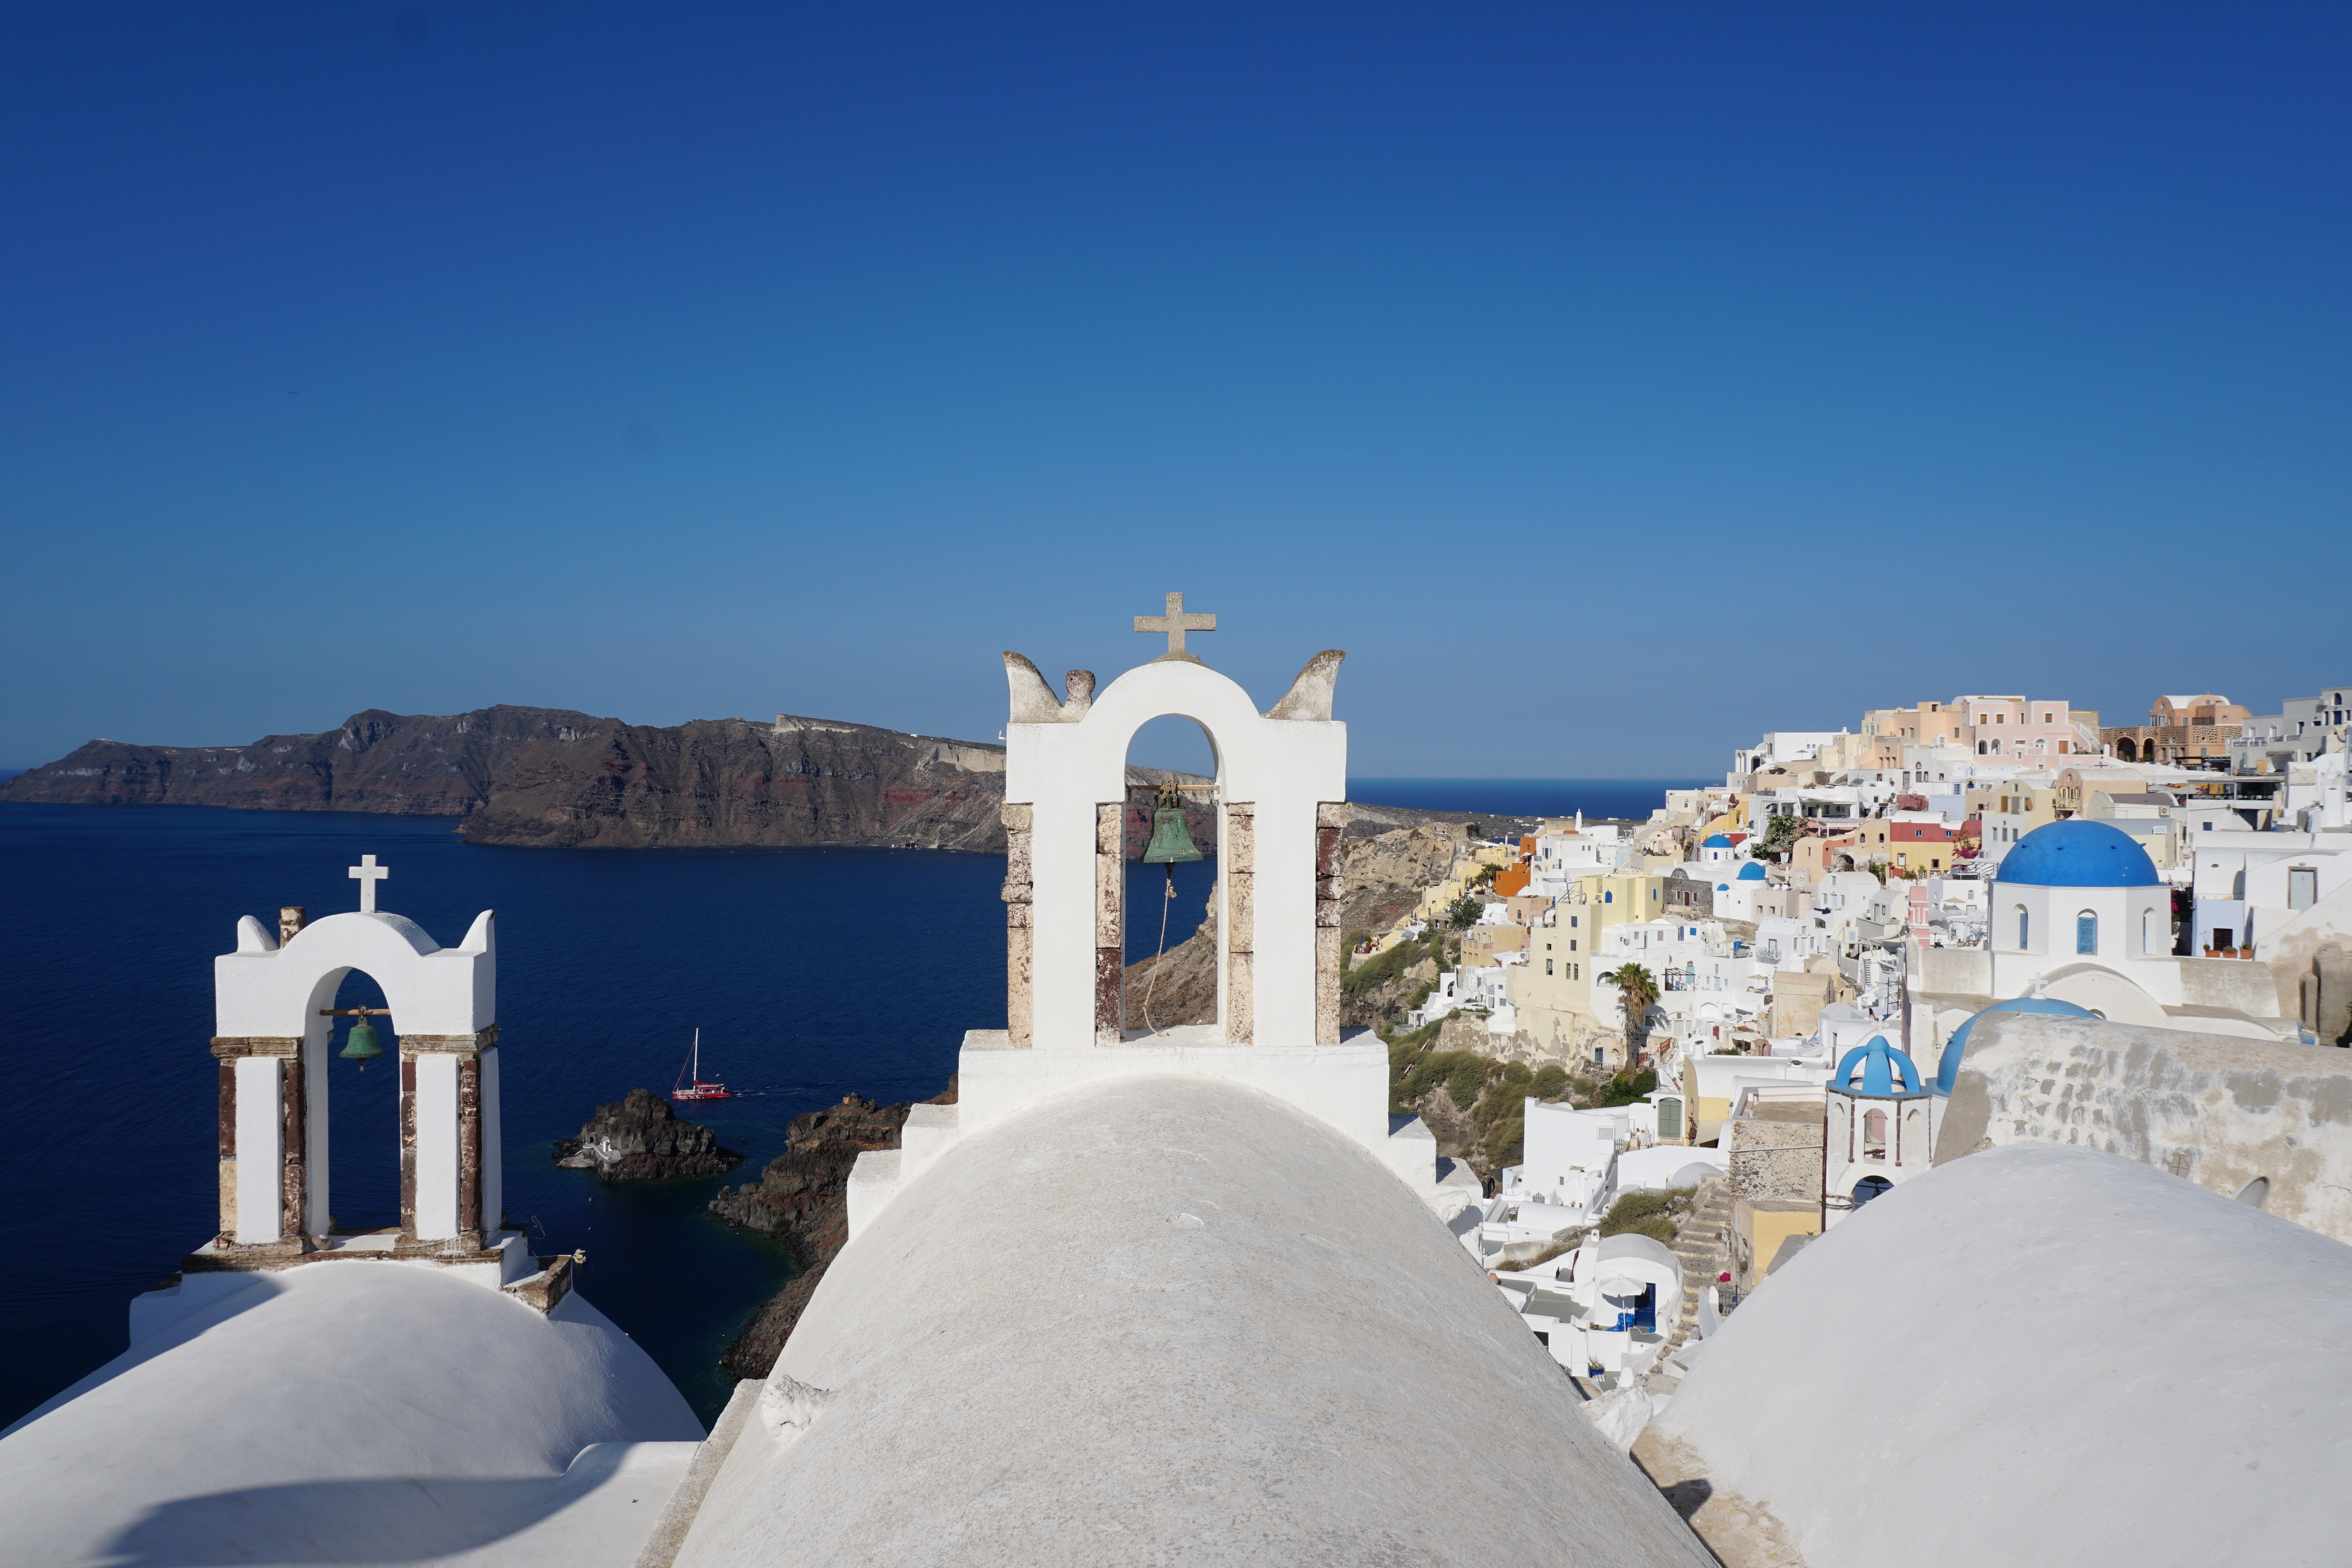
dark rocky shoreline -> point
(801, 1199)
(640, 1138)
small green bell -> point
(361, 1046)
(1170, 841)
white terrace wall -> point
(2219, 1110)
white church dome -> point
(344, 1412)
(1169, 1319)
(2094, 1377)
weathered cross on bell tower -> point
(1176, 623)
(367, 873)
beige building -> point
(1481, 944)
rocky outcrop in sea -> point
(640, 1138)
(801, 1199)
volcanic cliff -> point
(554, 778)
(550, 777)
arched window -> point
(2087, 933)
(1869, 1187)
(2024, 927)
(2146, 916)
(1873, 1129)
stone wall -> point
(2219, 1110)
(1775, 1153)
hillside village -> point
(1663, 1027)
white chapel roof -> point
(350, 1412)
(2042, 1353)
(1164, 1318)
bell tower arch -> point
(1281, 787)
(274, 1019)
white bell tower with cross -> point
(1281, 809)
(274, 1021)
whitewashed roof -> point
(2041, 1354)
(350, 1412)
(1171, 1320)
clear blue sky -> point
(1612, 382)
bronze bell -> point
(1169, 840)
(361, 1046)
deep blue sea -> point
(810, 973)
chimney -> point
(292, 918)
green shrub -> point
(1626, 1089)
(1551, 1081)
(1467, 1078)
(1433, 1068)
(1653, 1214)
(1377, 969)
(1519, 1073)
(1505, 1143)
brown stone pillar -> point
(1238, 876)
(1019, 971)
(1110, 910)
(407, 1142)
(294, 1191)
(1330, 824)
(227, 1051)
(469, 1149)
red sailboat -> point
(691, 1085)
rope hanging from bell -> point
(1171, 841)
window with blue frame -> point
(2087, 933)
(2024, 927)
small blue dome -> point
(1716, 841)
(1723, 887)
(1877, 1062)
(2078, 854)
(1752, 872)
(1948, 1069)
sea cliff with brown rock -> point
(553, 778)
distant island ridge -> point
(559, 779)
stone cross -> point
(367, 873)
(1176, 623)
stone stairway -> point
(1702, 1244)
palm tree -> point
(1637, 990)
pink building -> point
(2021, 728)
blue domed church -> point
(2078, 909)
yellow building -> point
(1564, 944)
(2011, 809)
